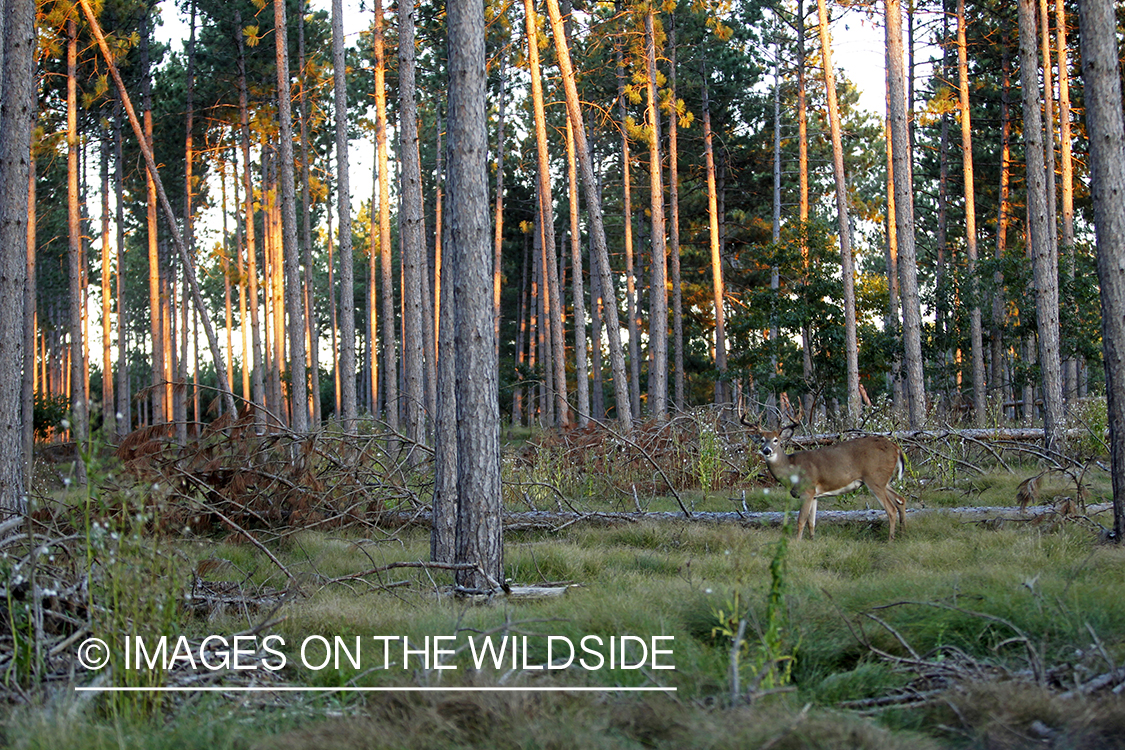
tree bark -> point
(1106, 131)
(1066, 178)
(627, 228)
(658, 290)
(998, 300)
(552, 299)
(904, 220)
(258, 371)
(674, 225)
(347, 271)
(1044, 260)
(594, 215)
(311, 329)
(722, 394)
(976, 339)
(479, 526)
(851, 346)
(390, 355)
(413, 242)
(291, 260)
(79, 408)
(17, 113)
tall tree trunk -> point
(998, 300)
(851, 347)
(332, 306)
(344, 197)
(160, 409)
(411, 233)
(498, 211)
(228, 308)
(312, 331)
(980, 392)
(1044, 260)
(674, 227)
(941, 269)
(17, 112)
(552, 299)
(600, 254)
(294, 294)
(479, 531)
(658, 291)
(124, 400)
(1066, 177)
(630, 275)
(803, 187)
(189, 230)
(1106, 131)
(390, 356)
(30, 304)
(243, 294)
(722, 395)
(904, 220)
(79, 408)
(258, 371)
(581, 369)
(107, 299)
(894, 316)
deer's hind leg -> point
(892, 504)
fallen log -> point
(555, 520)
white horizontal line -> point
(406, 689)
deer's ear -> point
(786, 433)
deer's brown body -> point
(873, 461)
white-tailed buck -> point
(874, 461)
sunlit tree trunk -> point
(851, 347)
(107, 299)
(124, 400)
(347, 278)
(79, 408)
(552, 299)
(894, 315)
(803, 188)
(1066, 177)
(411, 233)
(722, 395)
(658, 291)
(1044, 260)
(390, 354)
(312, 332)
(996, 342)
(291, 260)
(1106, 131)
(189, 231)
(159, 408)
(904, 220)
(30, 303)
(599, 253)
(228, 307)
(581, 368)
(258, 370)
(630, 275)
(498, 211)
(980, 392)
(674, 226)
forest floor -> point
(962, 632)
